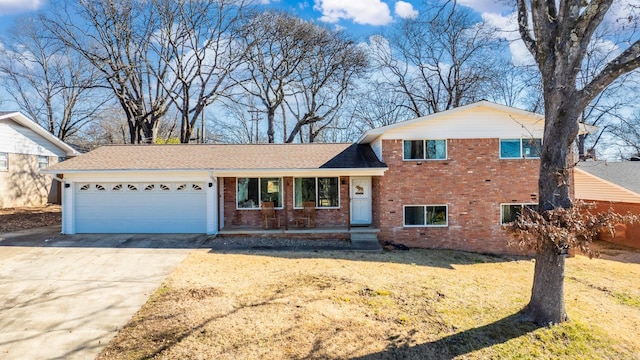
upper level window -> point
(251, 192)
(4, 161)
(426, 215)
(520, 148)
(43, 162)
(425, 149)
(323, 190)
(510, 212)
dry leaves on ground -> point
(21, 218)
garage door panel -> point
(123, 211)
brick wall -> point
(473, 182)
(625, 234)
(253, 217)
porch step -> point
(365, 239)
(364, 236)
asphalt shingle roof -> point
(222, 157)
(622, 173)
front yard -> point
(418, 304)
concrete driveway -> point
(65, 297)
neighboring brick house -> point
(447, 180)
(25, 149)
(612, 185)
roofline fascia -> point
(27, 122)
(235, 172)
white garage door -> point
(140, 208)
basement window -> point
(4, 161)
(426, 215)
(510, 212)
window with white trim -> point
(426, 215)
(324, 191)
(252, 192)
(4, 161)
(528, 148)
(43, 161)
(510, 212)
(424, 149)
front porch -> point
(353, 233)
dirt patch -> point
(416, 304)
(21, 218)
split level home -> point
(25, 149)
(447, 180)
(612, 185)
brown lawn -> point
(418, 304)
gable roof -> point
(625, 174)
(222, 157)
(22, 120)
(372, 134)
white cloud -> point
(507, 28)
(18, 6)
(365, 12)
(405, 10)
(489, 6)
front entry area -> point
(360, 193)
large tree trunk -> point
(561, 128)
(547, 296)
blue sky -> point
(359, 17)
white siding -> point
(18, 139)
(376, 146)
(475, 123)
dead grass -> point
(21, 218)
(417, 304)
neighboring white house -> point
(25, 149)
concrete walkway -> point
(65, 297)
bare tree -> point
(242, 121)
(116, 36)
(439, 60)
(197, 40)
(277, 44)
(323, 80)
(627, 132)
(609, 108)
(557, 33)
(54, 86)
(515, 85)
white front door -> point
(360, 200)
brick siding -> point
(253, 217)
(625, 234)
(473, 182)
